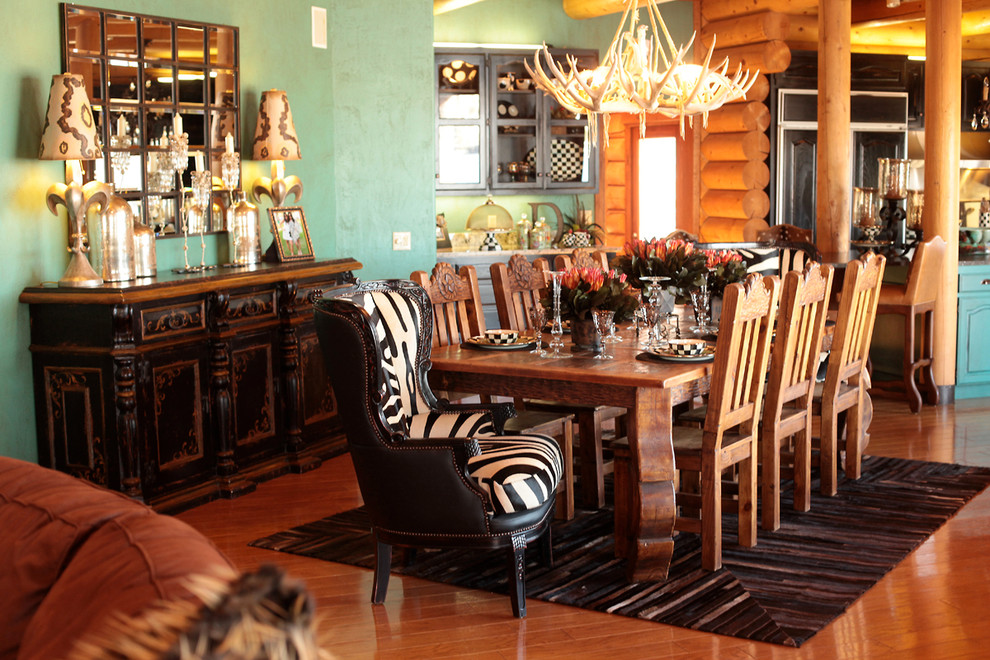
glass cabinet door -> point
(461, 155)
(515, 125)
(570, 157)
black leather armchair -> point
(432, 474)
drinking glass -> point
(538, 319)
(701, 301)
(557, 328)
(603, 322)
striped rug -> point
(793, 583)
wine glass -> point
(701, 301)
(538, 319)
(603, 322)
(557, 328)
(651, 307)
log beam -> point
(739, 117)
(833, 157)
(716, 10)
(735, 146)
(735, 175)
(754, 28)
(943, 70)
(768, 57)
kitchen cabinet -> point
(972, 338)
(496, 133)
(183, 388)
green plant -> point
(584, 289)
(724, 268)
(576, 223)
(676, 259)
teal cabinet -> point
(973, 332)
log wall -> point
(753, 34)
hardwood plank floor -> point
(935, 604)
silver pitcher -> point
(243, 231)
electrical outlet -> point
(401, 240)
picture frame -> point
(290, 234)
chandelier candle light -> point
(640, 76)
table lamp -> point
(70, 134)
(491, 219)
(275, 140)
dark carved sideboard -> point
(183, 388)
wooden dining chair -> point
(457, 316)
(844, 392)
(917, 297)
(791, 387)
(519, 285)
(787, 233)
(581, 259)
(728, 441)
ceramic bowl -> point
(523, 84)
(501, 336)
(687, 347)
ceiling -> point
(876, 28)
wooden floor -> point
(934, 605)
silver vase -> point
(117, 241)
(243, 231)
(145, 256)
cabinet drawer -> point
(974, 279)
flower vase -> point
(585, 336)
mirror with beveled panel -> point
(140, 72)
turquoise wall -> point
(529, 22)
(363, 109)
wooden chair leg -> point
(802, 468)
(711, 513)
(569, 470)
(546, 548)
(622, 472)
(928, 354)
(747, 499)
(909, 365)
(592, 468)
(517, 576)
(770, 479)
(854, 441)
(383, 565)
(828, 451)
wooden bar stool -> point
(916, 297)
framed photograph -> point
(290, 233)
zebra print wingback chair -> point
(432, 474)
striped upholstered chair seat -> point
(517, 472)
(432, 474)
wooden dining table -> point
(648, 388)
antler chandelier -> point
(640, 76)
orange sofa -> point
(73, 554)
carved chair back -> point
(456, 300)
(518, 286)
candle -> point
(177, 124)
(163, 142)
(229, 143)
(199, 162)
(122, 126)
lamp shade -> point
(70, 131)
(275, 134)
(490, 217)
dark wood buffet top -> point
(171, 284)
